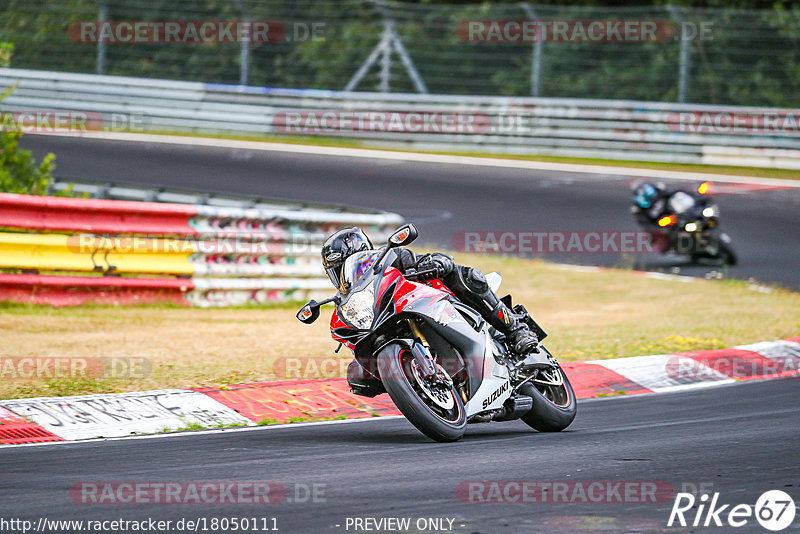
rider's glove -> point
(438, 264)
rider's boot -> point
(522, 340)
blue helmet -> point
(644, 195)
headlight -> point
(358, 308)
(711, 211)
(691, 227)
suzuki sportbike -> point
(440, 362)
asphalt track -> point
(446, 200)
(738, 440)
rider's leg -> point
(470, 286)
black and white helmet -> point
(338, 247)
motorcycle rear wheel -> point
(413, 399)
(554, 407)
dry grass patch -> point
(589, 315)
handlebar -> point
(413, 274)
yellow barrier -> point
(42, 253)
(123, 255)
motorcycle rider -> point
(650, 203)
(468, 284)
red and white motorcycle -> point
(439, 361)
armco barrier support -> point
(74, 290)
(257, 254)
(56, 252)
(239, 291)
(94, 216)
(42, 252)
(609, 129)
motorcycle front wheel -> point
(554, 403)
(436, 411)
(726, 253)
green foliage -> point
(751, 58)
(267, 421)
(6, 51)
(19, 173)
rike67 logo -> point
(774, 510)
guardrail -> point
(610, 129)
(202, 255)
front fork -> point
(424, 359)
(426, 362)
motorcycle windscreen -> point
(355, 267)
(681, 202)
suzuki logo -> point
(494, 396)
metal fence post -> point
(102, 50)
(536, 59)
(244, 52)
(389, 41)
(683, 69)
(386, 60)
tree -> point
(19, 172)
(6, 49)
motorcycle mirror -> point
(403, 235)
(309, 313)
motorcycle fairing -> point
(395, 299)
(495, 387)
(343, 333)
(489, 384)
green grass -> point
(267, 421)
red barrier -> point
(96, 216)
(74, 290)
